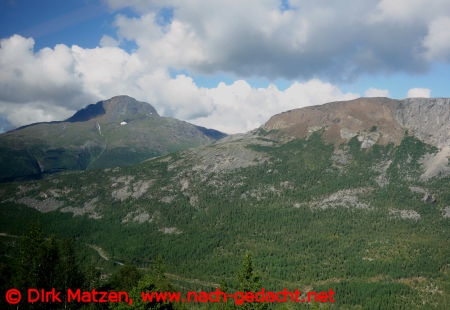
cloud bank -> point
(51, 84)
(317, 45)
(302, 39)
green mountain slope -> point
(94, 138)
(315, 212)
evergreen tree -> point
(46, 264)
(158, 282)
(69, 275)
(160, 279)
(146, 285)
(229, 304)
(249, 281)
(50, 261)
(91, 278)
(126, 278)
(31, 271)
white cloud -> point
(409, 11)
(51, 84)
(28, 114)
(332, 40)
(32, 112)
(419, 93)
(437, 42)
(107, 41)
(48, 74)
(312, 41)
(375, 92)
(239, 107)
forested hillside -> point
(314, 215)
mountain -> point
(112, 109)
(349, 195)
(376, 121)
(115, 132)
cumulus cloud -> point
(375, 92)
(419, 93)
(239, 107)
(408, 11)
(51, 84)
(303, 40)
(437, 42)
(308, 41)
(38, 86)
(48, 74)
(108, 41)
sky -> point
(223, 64)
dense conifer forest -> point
(308, 220)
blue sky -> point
(228, 65)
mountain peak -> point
(113, 108)
(385, 119)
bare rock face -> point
(427, 118)
(343, 120)
(382, 120)
(436, 163)
(406, 214)
(44, 206)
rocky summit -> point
(427, 118)
(109, 110)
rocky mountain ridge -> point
(427, 118)
(376, 120)
(108, 110)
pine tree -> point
(147, 284)
(91, 277)
(159, 277)
(126, 277)
(51, 259)
(45, 264)
(229, 304)
(249, 281)
(31, 268)
(69, 276)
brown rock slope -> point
(344, 120)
